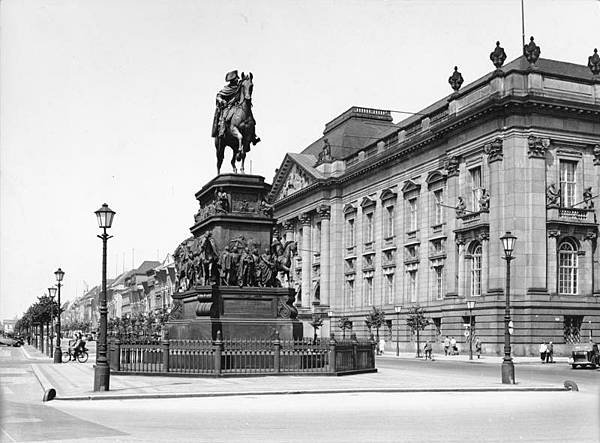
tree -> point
(375, 319)
(417, 322)
(344, 323)
(316, 323)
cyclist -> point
(78, 346)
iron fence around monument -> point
(242, 357)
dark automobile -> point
(585, 357)
(9, 341)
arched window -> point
(476, 270)
(567, 268)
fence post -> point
(218, 348)
(165, 350)
(277, 353)
(354, 351)
(332, 345)
(374, 345)
(116, 354)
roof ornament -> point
(456, 80)
(594, 62)
(531, 51)
(498, 56)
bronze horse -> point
(240, 127)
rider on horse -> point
(226, 98)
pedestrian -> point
(381, 345)
(428, 348)
(446, 345)
(543, 351)
(478, 347)
(453, 346)
(549, 353)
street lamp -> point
(470, 306)
(398, 309)
(102, 370)
(330, 315)
(508, 368)
(57, 352)
(52, 294)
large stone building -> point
(393, 215)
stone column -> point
(552, 245)
(306, 255)
(595, 246)
(586, 264)
(288, 230)
(535, 238)
(496, 272)
(325, 214)
(452, 193)
(485, 262)
(460, 287)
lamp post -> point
(470, 306)
(397, 309)
(330, 315)
(52, 294)
(508, 368)
(102, 370)
(57, 352)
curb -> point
(31, 357)
(308, 391)
(49, 391)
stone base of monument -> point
(246, 312)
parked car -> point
(585, 357)
(9, 341)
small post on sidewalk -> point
(277, 353)
(115, 355)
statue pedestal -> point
(233, 210)
(246, 312)
(237, 218)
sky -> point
(112, 101)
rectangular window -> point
(412, 214)
(476, 187)
(368, 291)
(350, 293)
(350, 233)
(368, 227)
(412, 285)
(438, 283)
(438, 209)
(572, 328)
(388, 223)
(389, 288)
(567, 183)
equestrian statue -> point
(233, 123)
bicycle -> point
(82, 356)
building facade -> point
(394, 215)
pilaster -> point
(324, 213)
(306, 254)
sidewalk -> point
(464, 357)
(74, 381)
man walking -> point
(446, 345)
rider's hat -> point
(233, 75)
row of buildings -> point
(396, 214)
(141, 290)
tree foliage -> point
(416, 319)
(375, 318)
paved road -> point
(556, 373)
(442, 417)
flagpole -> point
(523, 23)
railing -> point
(243, 357)
(573, 213)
